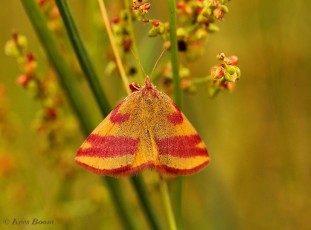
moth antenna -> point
(141, 67)
(155, 65)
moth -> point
(145, 130)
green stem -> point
(145, 202)
(82, 55)
(199, 80)
(177, 95)
(124, 210)
(114, 47)
(167, 204)
(132, 35)
(70, 87)
(174, 52)
(89, 71)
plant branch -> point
(174, 52)
(167, 204)
(138, 183)
(113, 45)
(177, 96)
(132, 35)
(82, 55)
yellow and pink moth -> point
(146, 130)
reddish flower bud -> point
(228, 85)
(146, 6)
(30, 66)
(7, 164)
(41, 2)
(199, 10)
(215, 3)
(55, 13)
(217, 72)
(127, 44)
(50, 113)
(23, 80)
(30, 57)
(234, 60)
(134, 87)
(156, 23)
(218, 13)
(116, 20)
(181, 5)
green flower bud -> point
(238, 72)
(153, 32)
(225, 9)
(10, 48)
(212, 28)
(200, 34)
(201, 18)
(181, 32)
(229, 77)
(230, 69)
(184, 72)
(206, 11)
(22, 41)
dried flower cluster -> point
(197, 19)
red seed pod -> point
(127, 44)
(228, 85)
(146, 6)
(234, 60)
(50, 113)
(218, 13)
(219, 73)
(215, 3)
(116, 20)
(23, 80)
(55, 13)
(30, 57)
(181, 5)
(134, 87)
(156, 23)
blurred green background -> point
(258, 136)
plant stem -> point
(174, 52)
(177, 96)
(113, 45)
(68, 82)
(123, 208)
(167, 204)
(138, 183)
(199, 80)
(132, 35)
(82, 55)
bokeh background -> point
(258, 136)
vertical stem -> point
(132, 35)
(82, 55)
(167, 204)
(174, 52)
(177, 96)
(119, 200)
(113, 45)
(145, 201)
